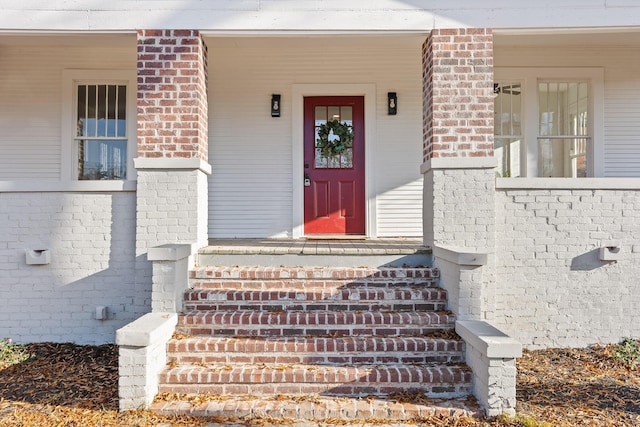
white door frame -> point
(299, 91)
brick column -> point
(458, 168)
(459, 199)
(172, 95)
(172, 143)
(457, 70)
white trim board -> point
(40, 186)
(567, 183)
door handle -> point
(307, 180)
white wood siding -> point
(621, 92)
(31, 100)
(251, 152)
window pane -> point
(562, 157)
(508, 141)
(334, 162)
(579, 158)
(507, 108)
(122, 112)
(92, 100)
(508, 151)
(346, 158)
(102, 159)
(346, 115)
(111, 110)
(333, 113)
(102, 110)
(81, 114)
(321, 161)
(321, 115)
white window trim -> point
(70, 79)
(529, 76)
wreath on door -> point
(334, 138)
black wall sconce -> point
(275, 105)
(392, 103)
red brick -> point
(171, 48)
(445, 87)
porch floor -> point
(394, 246)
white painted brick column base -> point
(172, 207)
(491, 355)
(142, 356)
(459, 223)
(170, 276)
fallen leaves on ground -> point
(578, 387)
(70, 385)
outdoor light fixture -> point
(275, 105)
(393, 103)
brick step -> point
(313, 410)
(313, 323)
(316, 284)
(320, 351)
(295, 379)
(362, 274)
(355, 299)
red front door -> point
(334, 191)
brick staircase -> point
(316, 343)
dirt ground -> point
(69, 385)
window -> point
(563, 129)
(101, 134)
(548, 122)
(98, 125)
(508, 127)
(343, 114)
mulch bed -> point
(70, 385)
(578, 387)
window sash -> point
(101, 139)
(508, 136)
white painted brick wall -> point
(552, 289)
(91, 239)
